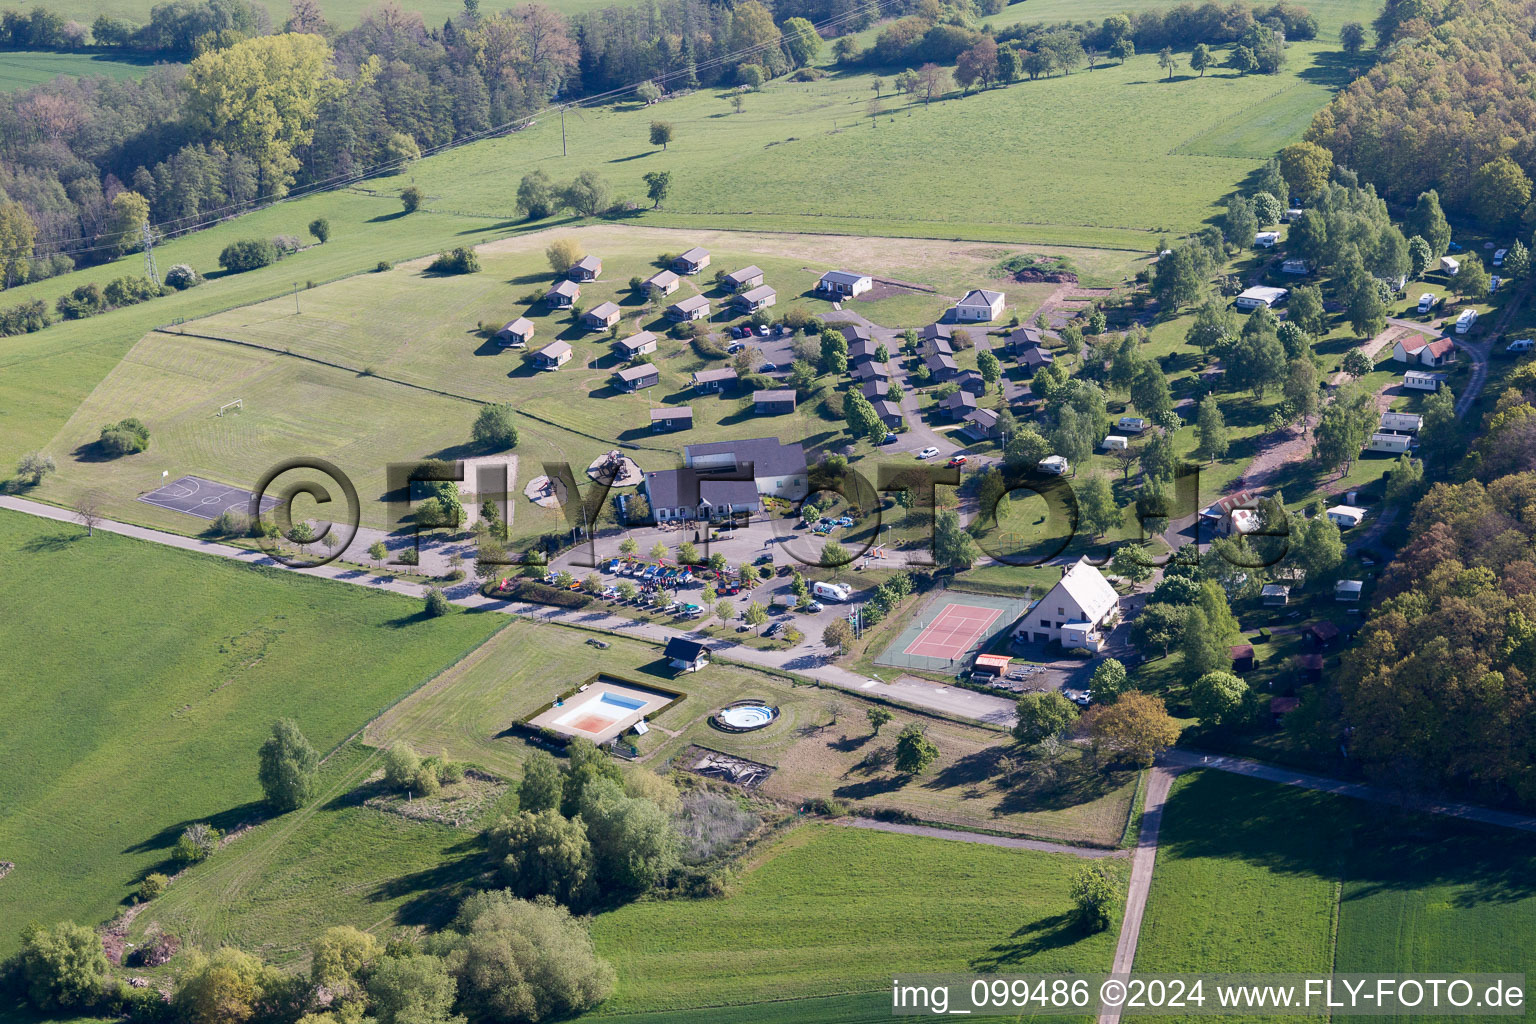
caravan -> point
(1465, 321)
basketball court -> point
(204, 498)
(952, 628)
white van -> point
(1466, 320)
(1427, 302)
(1520, 345)
(831, 592)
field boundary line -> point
(1085, 850)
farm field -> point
(1252, 876)
(333, 862)
(413, 328)
(21, 69)
(831, 910)
(128, 719)
(1074, 146)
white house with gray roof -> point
(1076, 612)
(979, 306)
(844, 283)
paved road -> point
(980, 838)
(1142, 861)
(812, 660)
(1357, 790)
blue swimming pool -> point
(632, 703)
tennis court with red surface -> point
(953, 631)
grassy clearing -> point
(126, 719)
(832, 910)
(24, 69)
(1249, 876)
(821, 742)
(335, 862)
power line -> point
(208, 218)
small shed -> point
(754, 299)
(602, 316)
(715, 380)
(553, 356)
(992, 664)
(1279, 707)
(563, 295)
(694, 307)
(692, 261)
(515, 334)
(1322, 634)
(1347, 590)
(667, 420)
(662, 283)
(1275, 595)
(640, 375)
(844, 284)
(1242, 657)
(686, 655)
(586, 269)
(640, 344)
(773, 403)
(746, 277)
(1310, 667)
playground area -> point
(602, 710)
(950, 630)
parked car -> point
(762, 332)
(814, 606)
(772, 629)
(768, 367)
(958, 460)
(928, 453)
(1498, 257)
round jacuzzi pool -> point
(744, 716)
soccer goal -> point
(236, 406)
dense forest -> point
(1448, 107)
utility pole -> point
(149, 255)
(562, 130)
(296, 297)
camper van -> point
(831, 591)
(1466, 320)
(1055, 465)
(1132, 424)
(1115, 443)
(1428, 301)
(1520, 345)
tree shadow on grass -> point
(224, 821)
(432, 895)
(51, 543)
(383, 217)
(1055, 932)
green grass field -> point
(832, 910)
(421, 330)
(1256, 877)
(465, 711)
(141, 680)
(23, 69)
